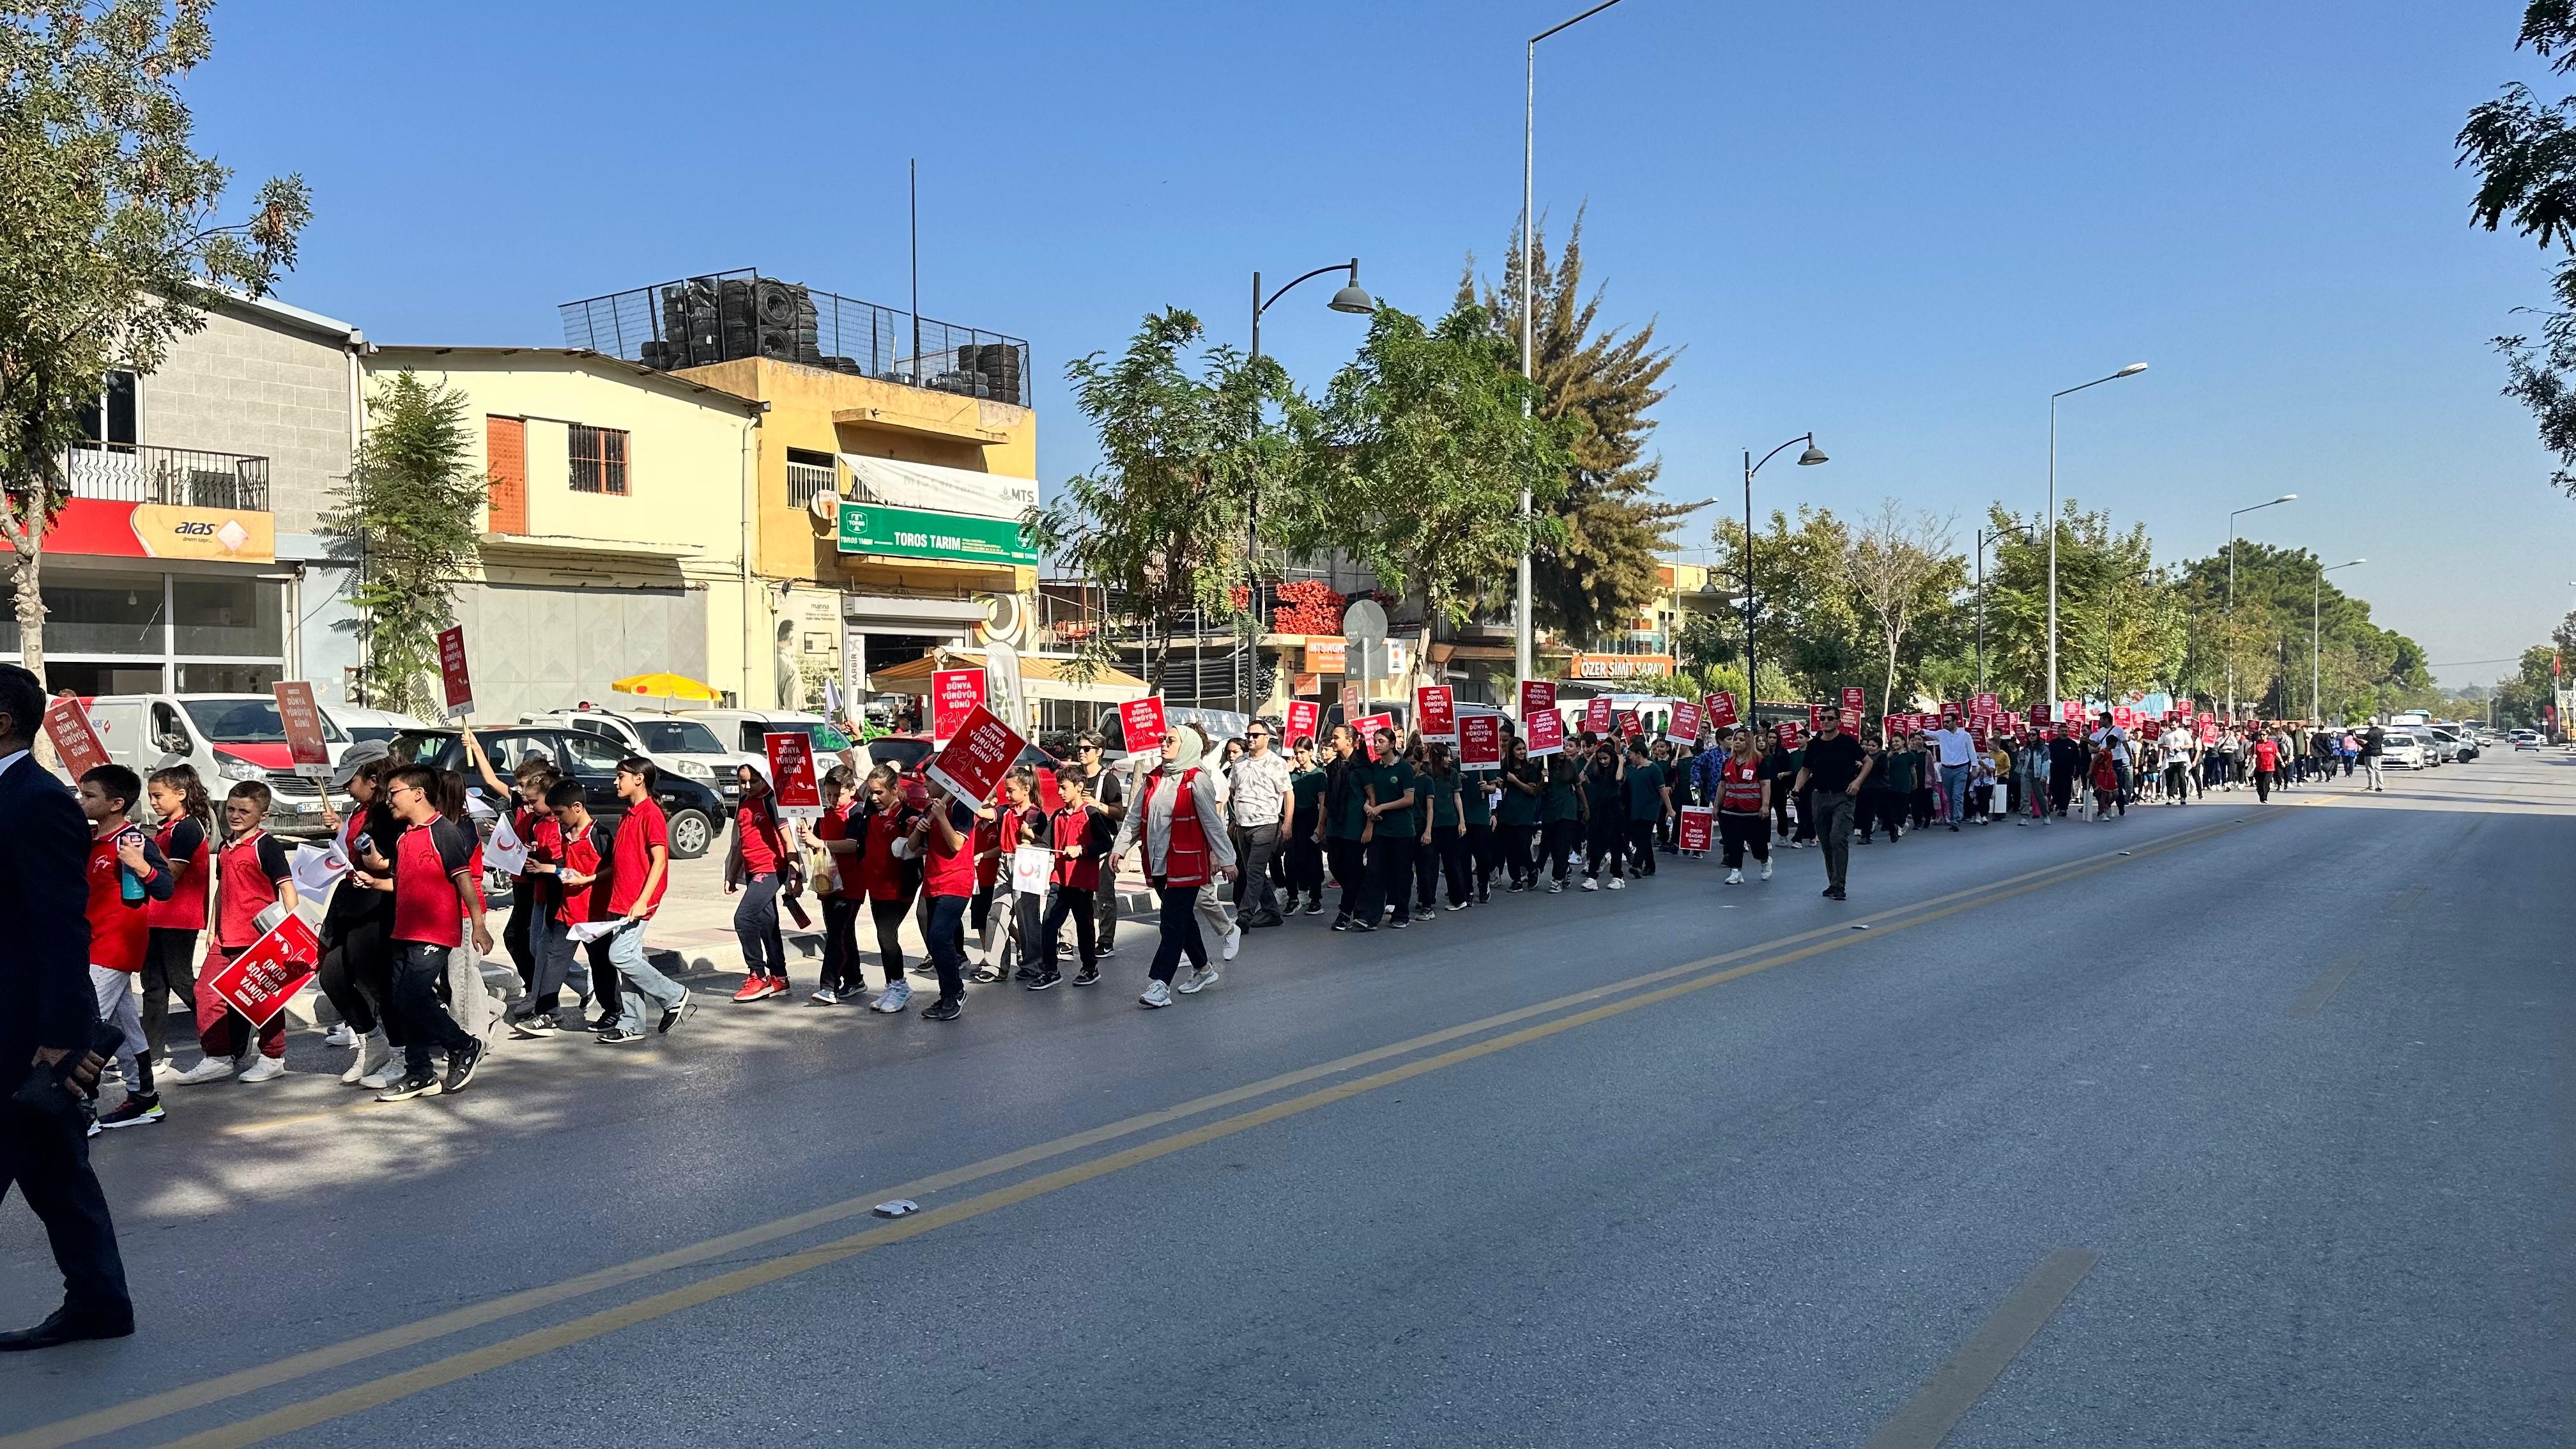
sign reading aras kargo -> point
(1435, 712)
(452, 674)
(1721, 708)
(1305, 716)
(1543, 732)
(954, 694)
(971, 766)
(1367, 726)
(1141, 721)
(260, 981)
(1480, 741)
(1682, 725)
(1698, 824)
(792, 785)
(67, 725)
(301, 719)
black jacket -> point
(45, 995)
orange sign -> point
(1619, 666)
(1326, 656)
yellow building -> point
(616, 537)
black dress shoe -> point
(62, 1326)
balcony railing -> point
(728, 316)
(186, 477)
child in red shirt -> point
(251, 877)
(1079, 833)
(125, 871)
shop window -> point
(228, 678)
(598, 460)
(228, 616)
(102, 613)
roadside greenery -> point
(405, 519)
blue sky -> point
(1902, 226)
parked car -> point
(373, 724)
(2403, 749)
(742, 729)
(2448, 743)
(229, 738)
(680, 744)
(696, 813)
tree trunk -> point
(29, 595)
(1887, 695)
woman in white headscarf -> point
(1176, 817)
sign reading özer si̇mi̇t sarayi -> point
(917, 533)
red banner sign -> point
(1305, 716)
(954, 695)
(1721, 708)
(971, 766)
(1435, 712)
(1988, 704)
(68, 726)
(1597, 715)
(1480, 740)
(1696, 828)
(1629, 725)
(260, 981)
(1544, 732)
(1143, 723)
(1682, 726)
(2070, 711)
(452, 673)
(1538, 696)
(1788, 732)
(792, 785)
(302, 721)
(1815, 718)
(1368, 725)
(1855, 701)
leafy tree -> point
(406, 517)
(108, 247)
(1900, 571)
(2524, 153)
(2106, 587)
(2283, 606)
(1161, 523)
(1806, 621)
(1417, 456)
(2520, 698)
(1599, 568)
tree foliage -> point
(2285, 609)
(1599, 566)
(406, 516)
(2523, 150)
(1901, 571)
(1806, 621)
(2116, 625)
(108, 244)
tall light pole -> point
(2231, 589)
(1349, 299)
(2316, 642)
(2132, 370)
(1984, 538)
(1521, 635)
(1807, 459)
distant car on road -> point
(2403, 749)
(2526, 739)
(2450, 746)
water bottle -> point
(129, 885)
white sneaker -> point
(265, 1069)
(1556, 887)
(893, 999)
(1735, 877)
(389, 1071)
(212, 1069)
(340, 1036)
(1198, 981)
(1157, 993)
(1618, 884)
(1766, 870)
(1233, 943)
(1590, 884)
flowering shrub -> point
(1307, 606)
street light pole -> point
(2316, 642)
(1349, 299)
(2132, 370)
(1807, 459)
(2231, 589)
(1521, 631)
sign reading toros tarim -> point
(917, 533)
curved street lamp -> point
(2231, 585)
(1808, 459)
(1349, 299)
(2132, 370)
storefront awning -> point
(1041, 677)
(935, 489)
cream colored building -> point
(617, 536)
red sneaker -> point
(755, 988)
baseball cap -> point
(360, 755)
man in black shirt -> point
(1834, 769)
(2067, 760)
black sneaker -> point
(460, 1067)
(1314, 905)
(534, 1027)
(133, 1112)
(943, 1010)
(1836, 894)
(1342, 924)
(417, 1085)
(984, 976)
(1089, 975)
(1104, 953)
(687, 1008)
(619, 1036)
(1026, 973)
(1044, 979)
(1360, 926)
(1514, 888)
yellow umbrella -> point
(667, 686)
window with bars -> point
(598, 460)
(809, 475)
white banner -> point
(941, 490)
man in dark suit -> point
(48, 1016)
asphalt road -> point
(2218, 1125)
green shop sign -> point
(919, 533)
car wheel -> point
(691, 834)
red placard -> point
(792, 785)
(1305, 716)
(1350, 697)
(1721, 708)
(1815, 718)
(1544, 733)
(2123, 717)
(1951, 709)
(1682, 725)
(1855, 701)
(1629, 725)
(68, 726)
(1989, 705)
(302, 720)
(1435, 712)
(971, 766)
(954, 695)
(1538, 696)
(1368, 725)
(2183, 707)
(1597, 714)
(452, 672)
(2070, 711)
(1142, 721)
(1787, 729)
(1480, 740)
(1697, 827)
(260, 981)
(1851, 721)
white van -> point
(229, 738)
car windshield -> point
(677, 737)
(247, 722)
(902, 754)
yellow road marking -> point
(446, 1370)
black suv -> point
(696, 813)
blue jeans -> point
(944, 935)
(626, 953)
(550, 942)
(1954, 785)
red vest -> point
(116, 930)
(1185, 858)
(243, 893)
(186, 908)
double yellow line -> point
(1562, 1014)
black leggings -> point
(1604, 844)
(889, 916)
(169, 970)
(1641, 845)
(1484, 852)
(1452, 851)
(841, 943)
(1518, 845)
(1305, 866)
(1561, 838)
(1350, 867)
(1387, 881)
(352, 947)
